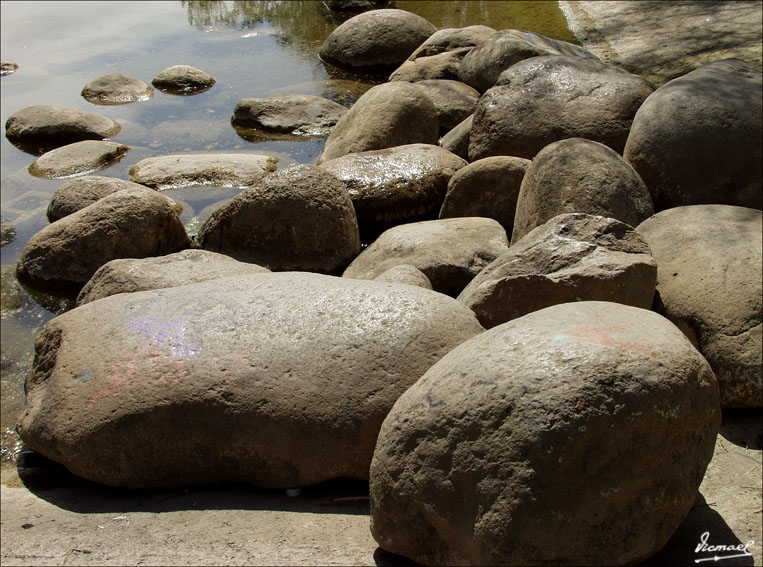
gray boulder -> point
(183, 79)
(709, 273)
(580, 176)
(219, 170)
(392, 114)
(453, 100)
(77, 158)
(116, 89)
(457, 140)
(301, 115)
(544, 99)
(280, 380)
(80, 192)
(129, 275)
(300, 218)
(406, 274)
(696, 139)
(450, 252)
(572, 257)
(486, 188)
(41, 128)
(576, 435)
(379, 39)
(131, 223)
(452, 39)
(483, 64)
(440, 66)
(395, 184)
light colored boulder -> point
(457, 140)
(116, 89)
(440, 66)
(77, 159)
(183, 79)
(81, 192)
(454, 101)
(406, 274)
(301, 115)
(452, 39)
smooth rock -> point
(696, 139)
(484, 63)
(572, 257)
(452, 39)
(709, 273)
(183, 79)
(354, 5)
(38, 129)
(576, 435)
(301, 115)
(129, 275)
(450, 252)
(219, 170)
(486, 188)
(379, 39)
(80, 192)
(392, 114)
(77, 158)
(440, 66)
(580, 176)
(395, 184)
(545, 99)
(406, 274)
(453, 100)
(300, 218)
(280, 380)
(131, 223)
(457, 140)
(116, 89)
(7, 68)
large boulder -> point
(297, 114)
(486, 188)
(441, 66)
(376, 40)
(80, 192)
(131, 223)
(709, 273)
(572, 257)
(281, 380)
(580, 176)
(396, 184)
(128, 275)
(183, 80)
(77, 158)
(450, 252)
(452, 39)
(544, 99)
(116, 89)
(696, 139)
(576, 435)
(407, 274)
(482, 65)
(300, 218)
(38, 129)
(454, 101)
(392, 114)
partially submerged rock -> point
(77, 158)
(7, 68)
(300, 115)
(183, 80)
(80, 192)
(116, 89)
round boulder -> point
(280, 380)
(572, 257)
(388, 115)
(116, 89)
(576, 435)
(696, 139)
(376, 40)
(300, 218)
(709, 273)
(301, 115)
(544, 99)
(183, 79)
(131, 223)
(453, 100)
(80, 192)
(77, 158)
(579, 176)
(452, 39)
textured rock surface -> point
(77, 158)
(544, 99)
(441, 66)
(486, 188)
(696, 139)
(450, 252)
(129, 275)
(379, 39)
(297, 114)
(580, 176)
(300, 218)
(131, 223)
(578, 434)
(80, 192)
(41, 128)
(220, 170)
(454, 101)
(572, 257)
(279, 380)
(452, 39)
(407, 274)
(709, 273)
(183, 79)
(116, 89)
(392, 114)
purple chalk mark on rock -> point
(169, 332)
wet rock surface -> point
(285, 364)
(80, 192)
(77, 158)
(301, 115)
(7, 233)
(709, 273)
(183, 80)
(592, 421)
(116, 89)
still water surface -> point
(252, 49)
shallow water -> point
(252, 49)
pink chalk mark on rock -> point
(601, 334)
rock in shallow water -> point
(116, 89)
(280, 380)
(300, 115)
(576, 435)
(83, 191)
(183, 79)
(77, 158)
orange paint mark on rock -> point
(601, 334)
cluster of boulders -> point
(606, 233)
